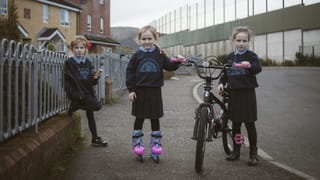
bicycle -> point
(212, 115)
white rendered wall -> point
(229, 47)
(260, 46)
(275, 47)
(209, 49)
(311, 42)
(215, 48)
(292, 42)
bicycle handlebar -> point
(197, 66)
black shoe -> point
(98, 142)
(253, 160)
(234, 156)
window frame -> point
(89, 23)
(45, 13)
(101, 25)
(64, 17)
(4, 8)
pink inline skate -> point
(137, 144)
(155, 146)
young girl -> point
(79, 82)
(144, 80)
(241, 80)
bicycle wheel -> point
(227, 139)
(201, 140)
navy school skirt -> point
(148, 104)
(243, 105)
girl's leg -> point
(155, 142)
(92, 124)
(138, 124)
(235, 155)
(96, 140)
(137, 141)
(252, 135)
(155, 125)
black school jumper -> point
(78, 85)
(144, 76)
(242, 83)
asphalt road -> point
(117, 161)
(289, 123)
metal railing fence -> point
(31, 84)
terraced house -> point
(52, 24)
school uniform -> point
(79, 82)
(78, 85)
(242, 83)
(144, 76)
(242, 100)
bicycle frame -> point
(206, 121)
(209, 99)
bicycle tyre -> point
(227, 138)
(201, 139)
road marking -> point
(175, 78)
(265, 156)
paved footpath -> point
(117, 161)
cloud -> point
(138, 13)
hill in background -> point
(126, 36)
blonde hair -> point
(148, 28)
(79, 39)
(154, 33)
(240, 29)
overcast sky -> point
(137, 13)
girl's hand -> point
(132, 96)
(245, 64)
(95, 77)
(97, 74)
(179, 58)
(220, 88)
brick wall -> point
(28, 156)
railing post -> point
(2, 59)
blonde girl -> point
(144, 78)
(241, 80)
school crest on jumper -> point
(148, 65)
(83, 73)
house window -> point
(64, 17)
(45, 15)
(4, 7)
(101, 1)
(101, 25)
(27, 13)
(89, 23)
